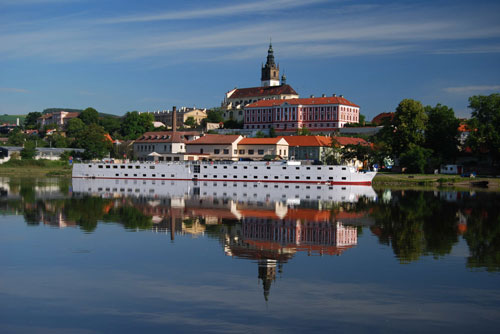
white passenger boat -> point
(241, 171)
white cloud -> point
(467, 89)
(13, 90)
(203, 13)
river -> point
(85, 256)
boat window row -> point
(269, 167)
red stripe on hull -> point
(356, 183)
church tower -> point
(270, 72)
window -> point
(108, 166)
(235, 151)
(250, 152)
(100, 166)
(115, 167)
(151, 167)
(216, 151)
(242, 151)
(260, 152)
(226, 151)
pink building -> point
(315, 113)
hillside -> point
(11, 119)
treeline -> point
(421, 138)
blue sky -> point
(118, 56)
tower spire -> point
(270, 72)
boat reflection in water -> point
(265, 222)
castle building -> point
(271, 89)
(320, 114)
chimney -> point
(323, 95)
(341, 95)
(312, 96)
(174, 118)
(334, 95)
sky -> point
(147, 55)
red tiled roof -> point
(262, 91)
(463, 128)
(307, 140)
(304, 101)
(380, 118)
(210, 139)
(259, 141)
(166, 137)
(343, 141)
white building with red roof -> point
(318, 114)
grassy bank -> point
(35, 168)
(431, 180)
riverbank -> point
(433, 180)
(35, 168)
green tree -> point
(190, 122)
(358, 152)
(75, 127)
(441, 134)
(272, 133)
(29, 150)
(111, 124)
(135, 124)
(16, 138)
(30, 120)
(415, 158)
(215, 115)
(485, 122)
(89, 116)
(93, 140)
(56, 140)
(304, 132)
(407, 127)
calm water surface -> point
(145, 257)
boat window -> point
(144, 175)
(254, 167)
(162, 175)
(215, 167)
(308, 177)
(297, 187)
(225, 167)
(275, 186)
(319, 168)
(117, 174)
(255, 176)
(235, 176)
(331, 178)
(245, 167)
(130, 167)
(205, 167)
(330, 168)
(308, 187)
(343, 168)
(318, 187)
(284, 167)
(245, 177)
(265, 176)
(308, 168)
(154, 175)
(135, 174)
(286, 187)
(215, 176)
(268, 167)
(172, 175)
(137, 167)
(286, 177)
(276, 176)
(90, 166)
(115, 167)
(235, 167)
(225, 176)
(108, 166)
(100, 166)
(205, 177)
(126, 174)
(343, 178)
(297, 178)
(343, 188)
(297, 168)
(122, 167)
(319, 177)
